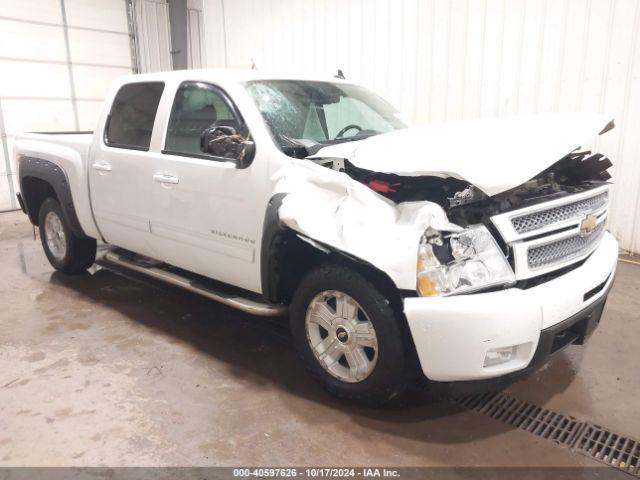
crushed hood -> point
(495, 155)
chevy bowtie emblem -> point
(588, 224)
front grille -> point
(551, 236)
(536, 220)
(563, 250)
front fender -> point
(287, 255)
(331, 208)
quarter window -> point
(197, 107)
(132, 115)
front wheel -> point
(65, 251)
(348, 335)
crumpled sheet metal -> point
(332, 208)
(493, 154)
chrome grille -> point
(564, 249)
(543, 218)
(547, 236)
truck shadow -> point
(259, 349)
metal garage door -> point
(195, 34)
(151, 19)
(57, 59)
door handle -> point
(163, 178)
(102, 166)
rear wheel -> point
(65, 251)
(348, 335)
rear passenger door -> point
(120, 167)
(207, 214)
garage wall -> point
(57, 59)
(459, 59)
(153, 37)
(195, 34)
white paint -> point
(461, 59)
(513, 149)
(453, 334)
(332, 208)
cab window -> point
(133, 112)
(196, 108)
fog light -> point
(497, 356)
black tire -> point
(388, 378)
(79, 253)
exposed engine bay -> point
(465, 204)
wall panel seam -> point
(61, 25)
(563, 40)
(63, 62)
(518, 72)
(500, 57)
(482, 60)
(72, 85)
(7, 159)
(539, 67)
(625, 116)
(586, 35)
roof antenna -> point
(253, 65)
(340, 75)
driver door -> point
(204, 214)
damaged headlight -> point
(451, 263)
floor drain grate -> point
(610, 448)
(544, 423)
(585, 438)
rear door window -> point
(130, 122)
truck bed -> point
(34, 143)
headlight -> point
(450, 263)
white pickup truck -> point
(461, 255)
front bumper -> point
(452, 335)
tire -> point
(65, 251)
(325, 286)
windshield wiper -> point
(348, 139)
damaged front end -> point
(439, 233)
(460, 262)
(466, 204)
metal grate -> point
(609, 448)
(564, 249)
(544, 218)
(585, 438)
(544, 423)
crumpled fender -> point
(332, 208)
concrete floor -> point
(106, 370)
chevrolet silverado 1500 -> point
(460, 255)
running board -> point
(232, 300)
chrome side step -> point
(241, 303)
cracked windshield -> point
(304, 116)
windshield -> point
(304, 116)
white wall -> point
(57, 58)
(153, 37)
(453, 59)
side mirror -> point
(224, 141)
